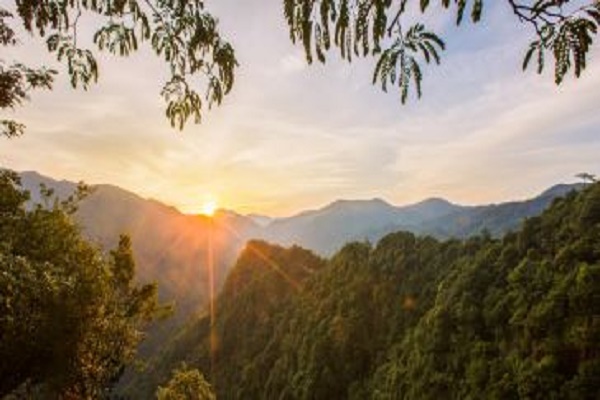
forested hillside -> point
(264, 278)
(412, 317)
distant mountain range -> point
(326, 230)
(171, 247)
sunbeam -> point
(265, 258)
(211, 288)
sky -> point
(292, 137)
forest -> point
(408, 318)
(411, 317)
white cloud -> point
(293, 62)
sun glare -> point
(209, 208)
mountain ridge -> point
(30, 178)
(171, 245)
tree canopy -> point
(71, 316)
(202, 64)
(186, 384)
(381, 28)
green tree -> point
(586, 177)
(186, 384)
(380, 28)
(180, 32)
(70, 316)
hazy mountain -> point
(429, 209)
(261, 220)
(171, 247)
(32, 181)
(497, 219)
(327, 229)
(560, 190)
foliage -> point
(186, 384)
(414, 318)
(181, 33)
(70, 317)
(567, 34)
(369, 28)
(186, 37)
(397, 64)
(586, 177)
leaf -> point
(532, 48)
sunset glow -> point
(209, 208)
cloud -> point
(292, 63)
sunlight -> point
(209, 208)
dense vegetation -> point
(264, 278)
(188, 384)
(412, 317)
(70, 315)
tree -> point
(586, 177)
(186, 37)
(70, 316)
(181, 32)
(370, 28)
(186, 384)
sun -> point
(209, 208)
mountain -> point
(496, 219)
(262, 220)
(264, 277)
(560, 190)
(169, 247)
(327, 229)
(31, 181)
